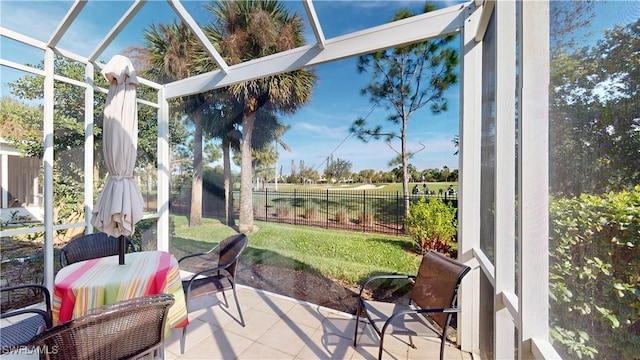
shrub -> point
(341, 216)
(145, 236)
(365, 219)
(282, 212)
(312, 213)
(593, 276)
(432, 224)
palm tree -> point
(248, 30)
(171, 49)
(224, 118)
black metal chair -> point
(26, 327)
(124, 330)
(216, 273)
(91, 246)
(432, 301)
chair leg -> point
(183, 339)
(442, 343)
(357, 318)
(413, 346)
(380, 347)
(235, 295)
(224, 296)
(444, 335)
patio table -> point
(86, 285)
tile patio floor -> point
(278, 327)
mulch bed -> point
(299, 284)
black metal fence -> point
(363, 211)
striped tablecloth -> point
(87, 285)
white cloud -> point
(43, 17)
(315, 130)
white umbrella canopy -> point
(119, 206)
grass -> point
(390, 187)
(349, 257)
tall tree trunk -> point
(246, 176)
(228, 185)
(195, 214)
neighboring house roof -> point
(7, 149)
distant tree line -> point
(339, 170)
(303, 174)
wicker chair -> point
(128, 329)
(432, 300)
(91, 246)
(216, 275)
(26, 327)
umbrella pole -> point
(122, 249)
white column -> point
(533, 163)
(88, 147)
(504, 327)
(469, 180)
(48, 167)
(164, 172)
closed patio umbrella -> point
(119, 206)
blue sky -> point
(318, 130)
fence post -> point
(295, 209)
(266, 205)
(364, 209)
(398, 211)
(327, 210)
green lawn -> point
(392, 187)
(346, 256)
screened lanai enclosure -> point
(539, 124)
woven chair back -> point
(120, 331)
(91, 246)
(230, 250)
(437, 284)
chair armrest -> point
(44, 314)
(45, 292)
(417, 311)
(210, 270)
(423, 311)
(198, 254)
(444, 310)
(203, 273)
(63, 258)
(383, 277)
(132, 246)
